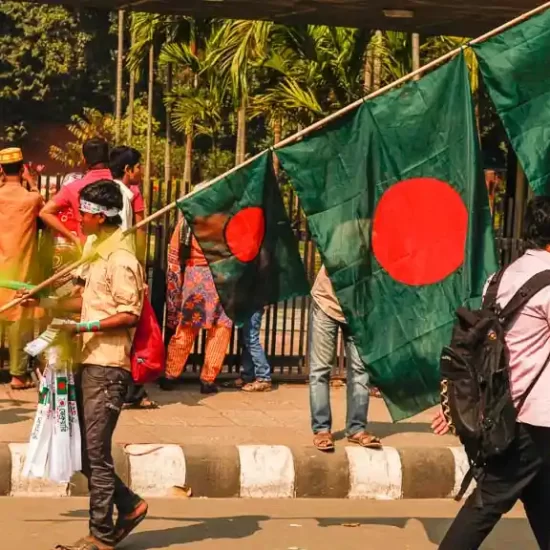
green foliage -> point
(93, 123)
(51, 58)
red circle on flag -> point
(244, 233)
(419, 231)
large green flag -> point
(516, 70)
(242, 227)
(396, 202)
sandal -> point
(238, 384)
(20, 383)
(366, 440)
(257, 386)
(324, 442)
(126, 524)
(144, 404)
(87, 543)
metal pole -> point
(519, 202)
(119, 72)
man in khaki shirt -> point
(110, 309)
(326, 317)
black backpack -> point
(476, 395)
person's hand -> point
(78, 243)
(63, 326)
(29, 178)
(440, 426)
(26, 300)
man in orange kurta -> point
(19, 210)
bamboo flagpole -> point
(291, 139)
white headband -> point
(93, 208)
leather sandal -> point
(127, 523)
(324, 442)
(366, 440)
(86, 543)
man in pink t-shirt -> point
(96, 156)
(522, 472)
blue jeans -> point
(323, 337)
(255, 363)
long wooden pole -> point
(291, 139)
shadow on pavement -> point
(515, 531)
(385, 429)
(12, 416)
(239, 527)
(509, 533)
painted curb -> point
(260, 471)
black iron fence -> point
(285, 325)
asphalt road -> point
(39, 524)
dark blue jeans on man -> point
(255, 363)
(323, 338)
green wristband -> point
(88, 326)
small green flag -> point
(396, 201)
(516, 70)
(242, 228)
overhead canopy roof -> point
(454, 17)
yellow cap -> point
(11, 155)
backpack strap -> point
(533, 286)
(490, 298)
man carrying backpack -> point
(502, 415)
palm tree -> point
(238, 47)
(185, 56)
(199, 100)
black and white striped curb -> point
(261, 471)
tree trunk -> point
(119, 72)
(277, 135)
(377, 62)
(188, 163)
(148, 153)
(131, 99)
(241, 133)
(367, 73)
(188, 166)
(168, 146)
(416, 53)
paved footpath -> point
(38, 524)
(280, 417)
(249, 445)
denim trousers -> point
(255, 363)
(100, 395)
(323, 337)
